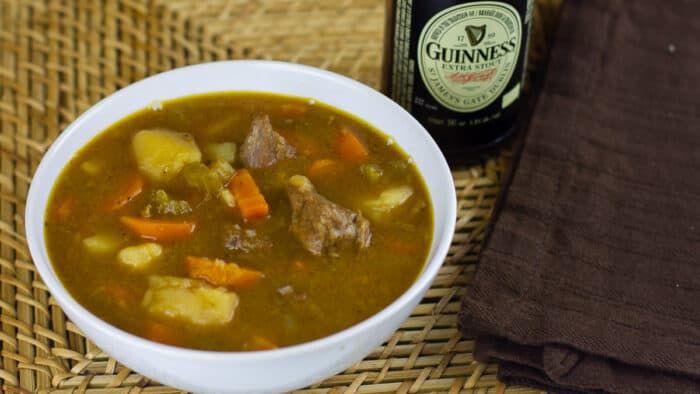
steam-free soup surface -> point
(238, 221)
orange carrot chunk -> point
(128, 191)
(323, 167)
(158, 230)
(220, 273)
(349, 147)
(249, 200)
(161, 333)
(260, 343)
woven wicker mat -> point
(58, 57)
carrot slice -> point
(131, 188)
(349, 147)
(260, 343)
(249, 200)
(158, 230)
(323, 167)
(161, 333)
(220, 273)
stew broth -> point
(300, 294)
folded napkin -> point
(590, 278)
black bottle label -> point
(457, 67)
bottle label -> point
(467, 53)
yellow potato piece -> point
(190, 300)
(140, 256)
(225, 151)
(102, 243)
(387, 201)
(91, 167)
(161, 154)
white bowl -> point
(248, 372)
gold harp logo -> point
(475, 34)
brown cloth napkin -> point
(590, 278)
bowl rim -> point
(440, 244)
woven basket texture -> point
(58, 57)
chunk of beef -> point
(321, 225)
(263, 146)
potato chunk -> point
(102, 243)
(225, 151)
(190, 300)
(387, 201)
(91, 167)
(140, 256)
(161, 154)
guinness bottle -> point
(458, 67)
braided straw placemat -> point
(58, 57)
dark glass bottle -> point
(458, 67)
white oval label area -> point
(467, 53)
